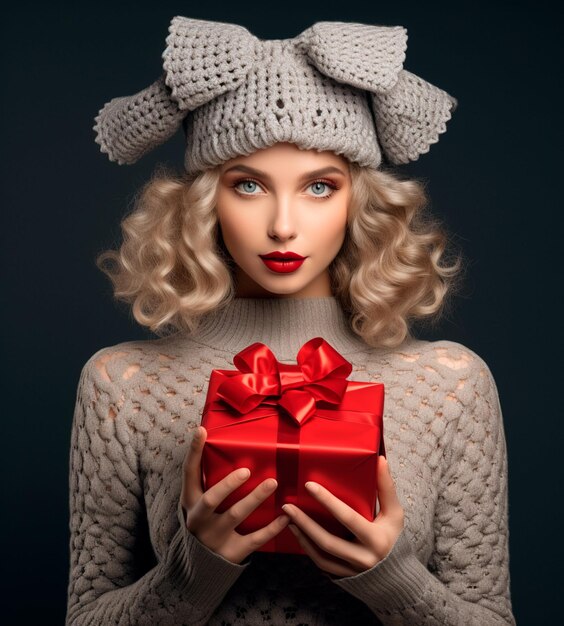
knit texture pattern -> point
(133, 561)
(337, 86)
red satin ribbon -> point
(320, 374)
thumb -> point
(387, 496)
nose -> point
(283, 222)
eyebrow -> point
(251, 170)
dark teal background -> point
(494, 178)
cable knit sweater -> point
(133, 561)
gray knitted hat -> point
(337, 86)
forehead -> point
(283, 159)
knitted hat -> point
(337, 86)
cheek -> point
(234, 225)
(331, 228)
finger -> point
(387, 495)
(346, 550)
(321, 559)
(351, 519)
(215, 495)
(253, 541)
(241, 509)
(192, 485)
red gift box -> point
(294, 423)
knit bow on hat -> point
(337, 86)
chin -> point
(264, 290)
(280, 292)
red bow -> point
(320, 374)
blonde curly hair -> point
(393, 269)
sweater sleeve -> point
(107, 584)
(467, 581)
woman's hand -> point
(216, 530)
(374, 539)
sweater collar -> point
(283, 324)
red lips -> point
(281, 255)
(282, 262)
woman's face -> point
(276, 200)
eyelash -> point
(329, 184)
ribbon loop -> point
(318, 359)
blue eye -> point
(319, 182)
(246, 182)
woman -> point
(286, 143)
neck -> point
(283, 324)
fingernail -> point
(243, 473)
(312, 487)
(287, 509)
